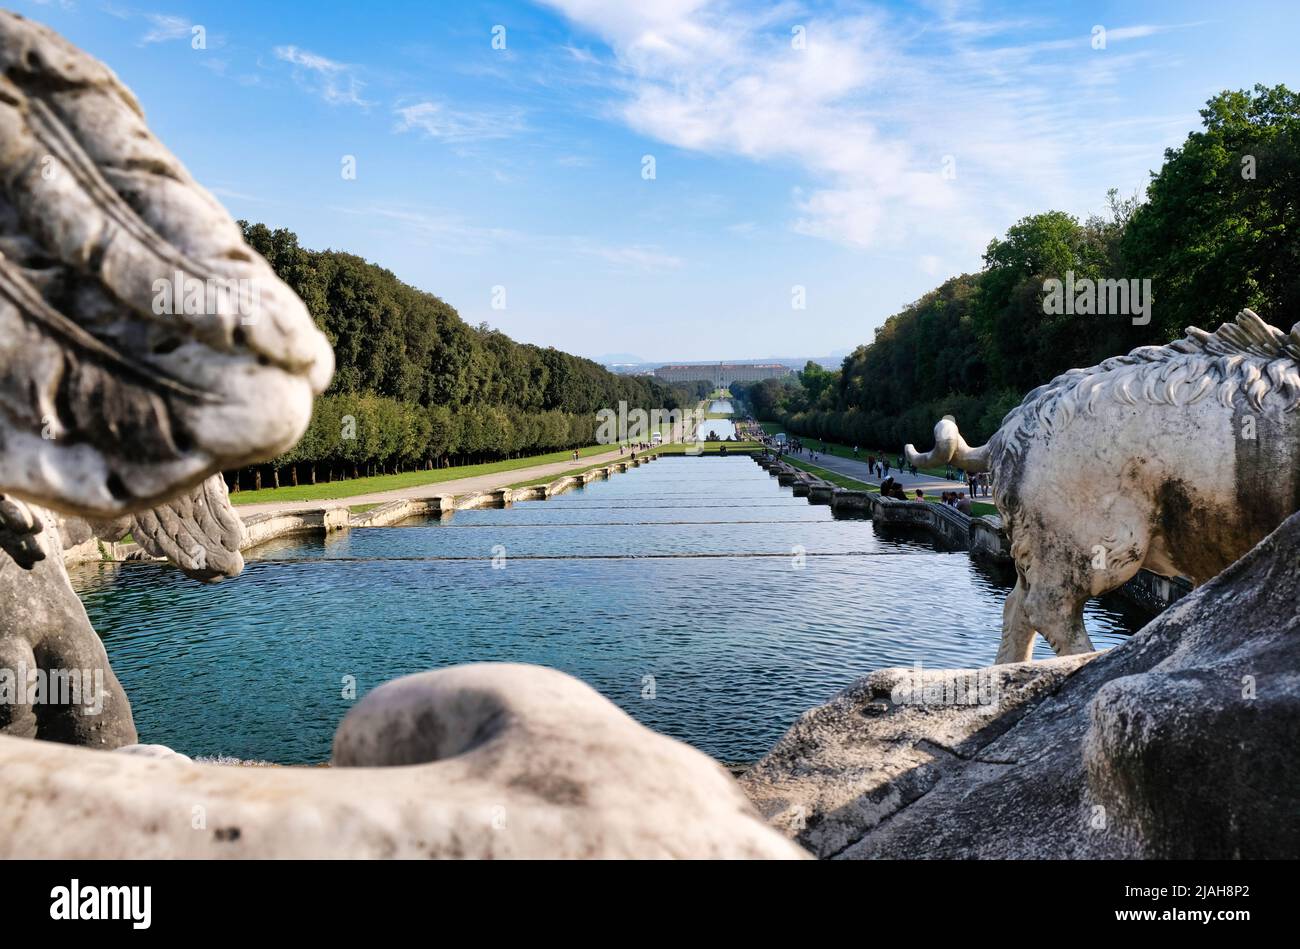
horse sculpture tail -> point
(949, 448)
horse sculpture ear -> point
(143, 345)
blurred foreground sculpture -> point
(473, 761)
(144, 348)
(1177, 459)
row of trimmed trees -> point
(354, 436)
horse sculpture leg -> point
(1060, 621)
(1048, 599)
(1059, 585)
(1017, 632)
(1059, 566)
(55, 680)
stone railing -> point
(394, 512)
(983, 537)
(264, 527)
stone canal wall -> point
(268, 526)
(983, 537)
(264, 527)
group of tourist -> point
(979, 483)
(881, 466)
(889, 488)
(796, 446)
(956, 499)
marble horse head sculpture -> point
(1177, 459)
(143, 349)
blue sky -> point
(866, 166)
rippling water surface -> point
(685, 570)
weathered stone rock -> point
(471, 761)
(1181, 742)
(879, 745)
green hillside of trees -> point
(417, 387)
(1218, 230)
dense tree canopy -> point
(1221, 226)
(1219, 230)
(415, 386)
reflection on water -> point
(683, 573)
(721, 428)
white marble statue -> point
(1177, 459)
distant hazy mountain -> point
(619, 359)
(629, 364)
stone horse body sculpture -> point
(112, 405)
(1175, 458)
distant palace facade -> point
(723, 374)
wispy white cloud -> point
(453, 233)
(898, 126)
(442, 230)
(456, 126)
(335, 82)
(636, 257)
(231, 194)
(166, 28)
(1148, 29)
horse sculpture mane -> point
(1246, 358)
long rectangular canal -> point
(696, 593)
